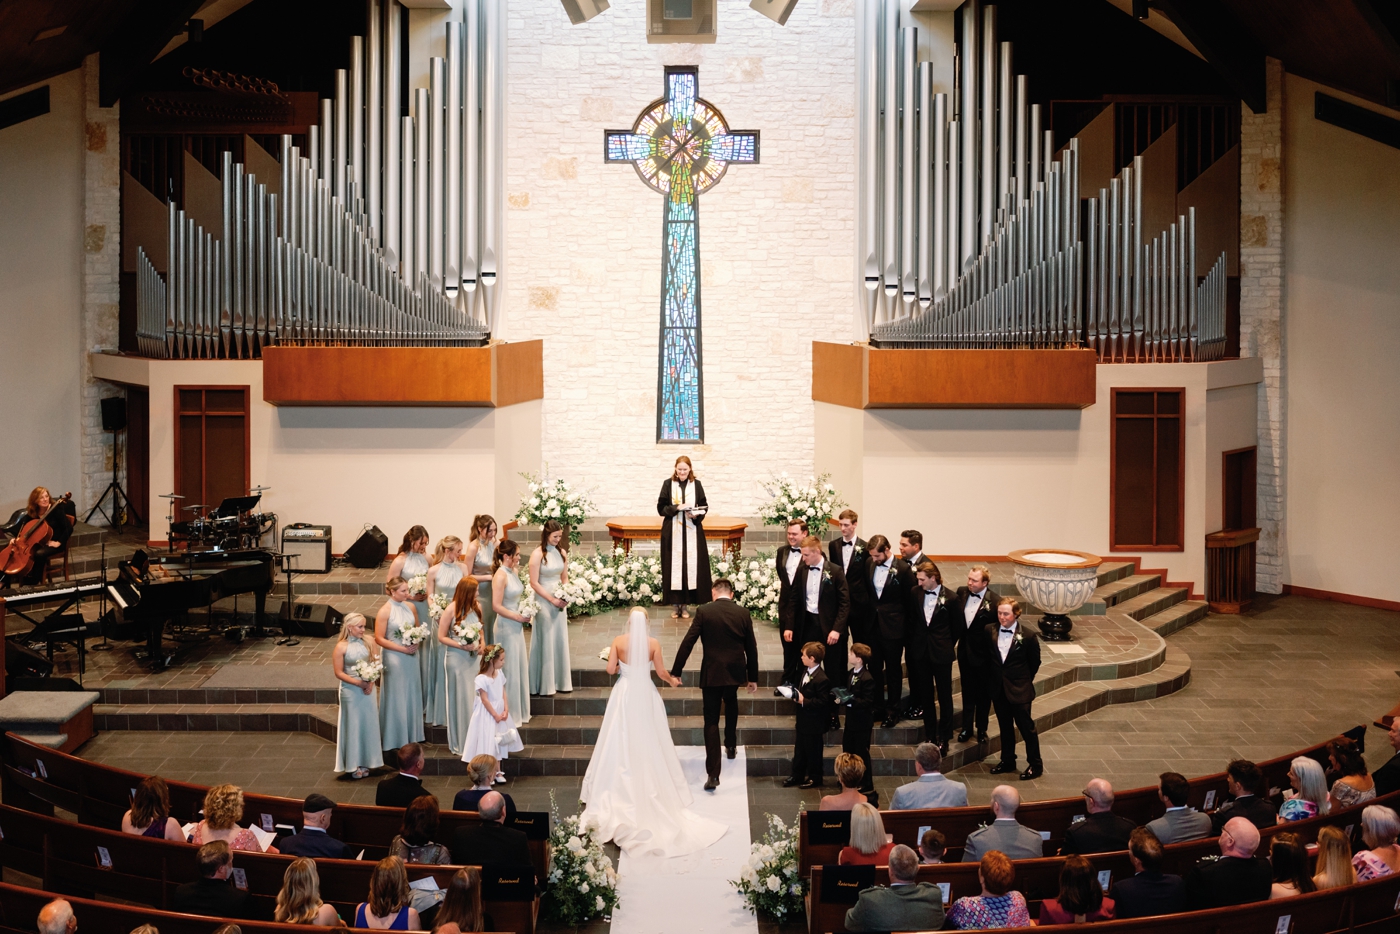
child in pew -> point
(813, 696)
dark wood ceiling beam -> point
(137, 41)
(1234, 52)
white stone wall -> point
(583, 242)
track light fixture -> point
(581, 11)
(776, 10)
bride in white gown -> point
(635, 791)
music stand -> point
(288, 617)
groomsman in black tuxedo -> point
(933, 612)
(888, 581)
(1015, 660)
(911, 549)
(818, 608)
(852, 553)
(787, 559)
(978, 604)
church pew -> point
(66, 856)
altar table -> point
(626, 529)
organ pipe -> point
(927, 156)
(967, 119)
(492, 142)
(471, 148)
(452, 161)
(437, 176)
(988, 87)
(374, 118)
(393, 149)
(908, 133)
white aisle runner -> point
(692, 893)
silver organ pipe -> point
(955, 192)
(437, 176)
(407, 187)
(342, 132)
(927, 245)
(452, 161)
(393, 111)
(967, 119)
(327, 166)
(374, 117)
(889, 241)
(1005, 83)
(493, 130)
(357, 112)
(471, 150)
(1034, 150)
(869, 256)
(908, 139)
(938, 131)
(422, 170)
(988, 87)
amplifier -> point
(308, 619)
(312, 543)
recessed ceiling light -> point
(50, 33)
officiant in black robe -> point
(685, 560)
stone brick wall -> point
(1261, 306)
(583, 242)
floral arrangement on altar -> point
(548, 499)
(769, 882)
(607, 579)
(369, 669)
(436, 604)
(582, 883)
(816, 502)
(755, 580)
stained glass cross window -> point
(680, 147)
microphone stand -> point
(102, 607)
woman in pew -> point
(150, 812)
(299, 902)
(223, 809)
(1333, 859)
(1354, 786)
(461, 906)
(1290, 862)
(481, 772)
(1308, 796)
(997, 906)
(414, 842)
(869, 843)
(1379, 828)
(388, 908)
(1081, 897)
(850, 772)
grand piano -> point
(153, 590)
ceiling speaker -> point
(776, 10)
(581, 11)
(681, 21)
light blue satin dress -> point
(485, 554)
(510, 635)
(431, 660)
(549, 641)
(460, 669)
(401, 693)
(357, 733)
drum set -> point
(231, 526)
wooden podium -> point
(626, 529)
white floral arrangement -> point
(467, 630)
(816, 502)
(436, 604)
(368, 669)
(606, 654)
(418, 586)
(529, 607)
(769, 881)
(412, 635)
(755, 580)
(604, 580)
(582, 883)
(547, 499)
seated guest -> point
(145, 929)
(1004, 834)
(388, 907)
(1081, 897)
(314, 841)
(229, 928)
(1237, 876)
(906, 905)
(850, 772)
(414, 842)
(398, 791)
(461, 905)
(1180, 823)
(868, 846)
(932, 846)
(212, 895)
(223, 809)
(997, 906)
(1243, 780)
(1150, 891)
(57, 918)
(1334, 868)
(931, 789)
(1379, 828)
(150, 812)
(299, 902)
(1307, 796)
(1290, 861)
(1387, 777)
(1101, 831)
(1354, 786)
(489, 841)
(481, 772)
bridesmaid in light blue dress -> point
(461, 661)
(506, 591)
(357, 747)
(549, 644)
(401, 696)
(480, 553)
(443, 576)
(412, 561)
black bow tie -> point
(1009, 632)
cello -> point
(17, 558)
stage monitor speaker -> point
(308, 619)
(21, 660)
(369, 549)
(581, 11)
(776, 10)
(114, 413)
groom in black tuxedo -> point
(725, 631)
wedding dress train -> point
(635, 790)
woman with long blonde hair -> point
(357, 747)
(479, 558)
(460, 659)
(401, 695)
(1334, 868)
(299, 902)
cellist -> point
(60, 522)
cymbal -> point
(196, 505)
(169, 496)
(258, 489)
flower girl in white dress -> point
(492, 730)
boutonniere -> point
(1018, 640)
(826, 574)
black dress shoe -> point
(835, 723)
(711, 783)
(943, 748)
(964, 735)
(1032, 773)
(730, 751)
(914, 713)
(791, 782)
(809, 784)
(981, 737)
(1003, 768)
(890, 722)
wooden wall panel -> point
(501, 374)
(519, 371)
(838, 373)
(1216, 198)
(204, 197)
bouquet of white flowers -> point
(370, 669)
(582, 884)
(436, 604)
(418, 586)
(606, 654)
(769, 881)
(468, 632)
(529, 607)
(547, 499)
(755, 580)
(816, 502)
(412, 635)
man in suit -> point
(906, 905)
(1387, 777)
(57, 918)
(729, 659)
(1244, 782)
(813, 696)
(936, 627)
(1015, 655)
(1236, 877)
(1004, 833)
(1150, 891)
(889, 580)
(212, 895)
(911, 549)
(398, 791)
(853, 554)
(489, 841)
(819, 607)
(978, 603)
(931, 789)
(787, 559)
(1101, 831)
(314, 841)
(1180, 823)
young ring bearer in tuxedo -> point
(813, 696)
(859, 700)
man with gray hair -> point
(1005, 833)
(906, 905)
(57, 918)
(1101, 831)
(932, 789)
(490, 841)
(1236, 876)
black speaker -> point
(114, 413)
(21, 660)
(308, 619)
(369, 549)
